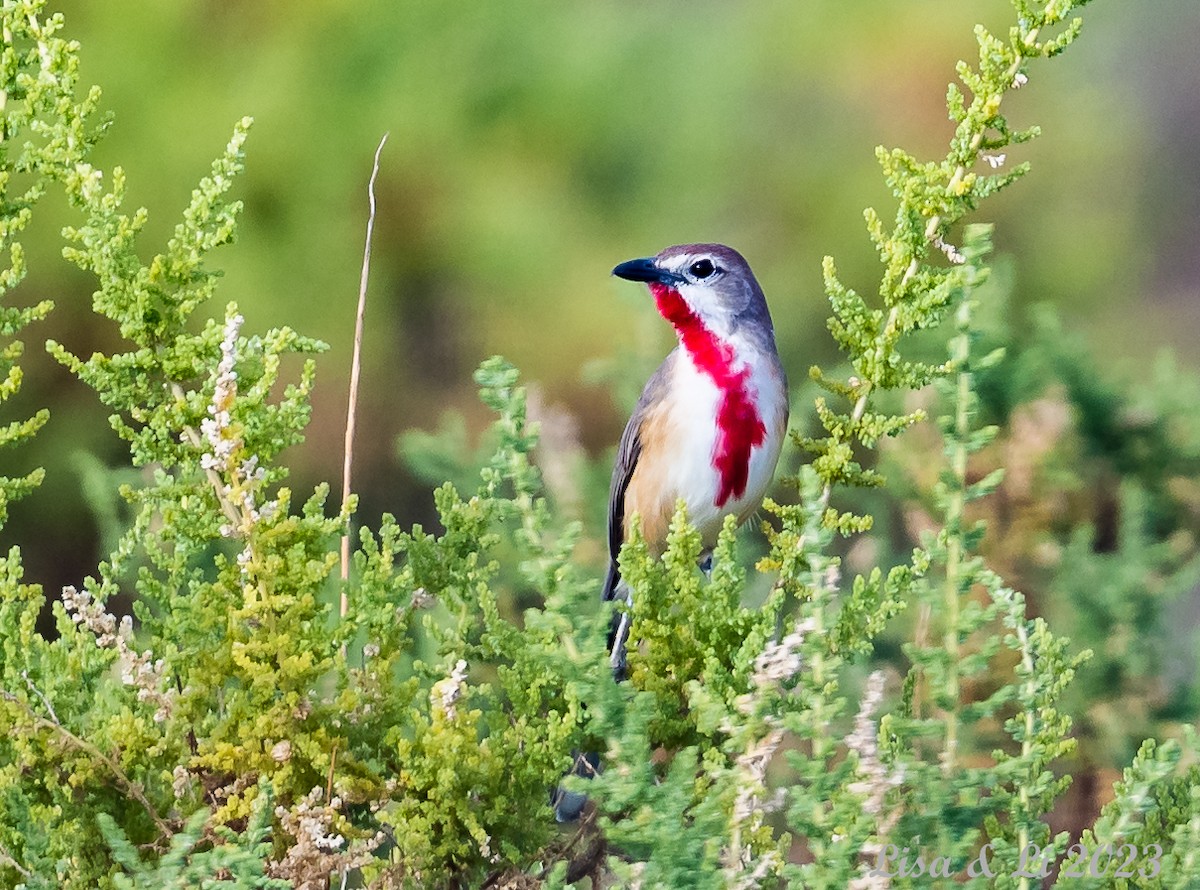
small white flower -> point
(181, 782)
(781, 661)
(995, 161)
(953, 254)
(1019, 81)
(873, 779)
(447, 692)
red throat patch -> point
(739, 425)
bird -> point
(710, 422)
(707, 429)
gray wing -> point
(628, 452)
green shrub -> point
(241, 729)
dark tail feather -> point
(568, 805)
(611, 581)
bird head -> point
(706, 283)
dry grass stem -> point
(355, 366)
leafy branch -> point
(915, 292)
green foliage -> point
(916, 293)
(237, 683)
(694, 630)
(39, 143)
(1169, 806)
(243, 729)
(192, 862)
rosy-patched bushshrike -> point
(707, 429)
(710, 422)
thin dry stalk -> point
(130, 787)
(355, 366)
(6, 859)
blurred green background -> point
(535, 145)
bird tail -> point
(568, 805)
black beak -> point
(645, 270)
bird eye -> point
(702, 268)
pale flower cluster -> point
(181, 782)
(953, 254)
(138, 669)
(447, 692)
(241, 476)
(421, 599)
(318, 850)
(743, 869)
(216, 428)
(873, 779)
(776, 664)
(781, 661)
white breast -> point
(692, 476)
